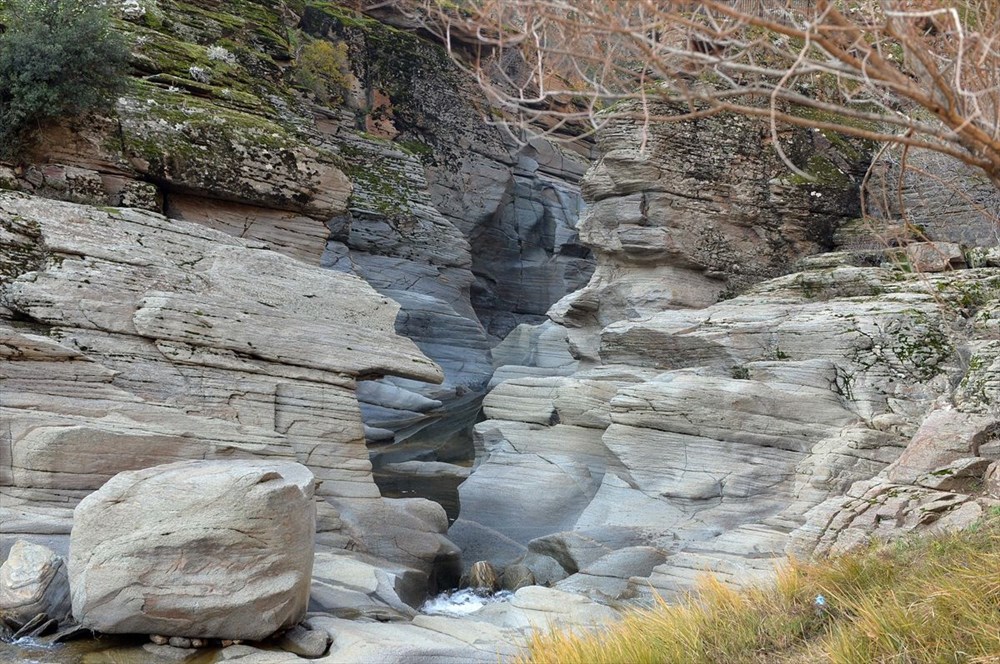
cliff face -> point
(390, 174)
(718, 365)
(229, 264)
(730, 374)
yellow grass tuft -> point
(934, 599)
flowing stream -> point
(459, 603)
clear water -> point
(102, 650)
(458, 603)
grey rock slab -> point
(537, 607)
(427, 640)
(192, 549)
(309, 643)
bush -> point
(57, 58)
(323, 69)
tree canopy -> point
(57, 58)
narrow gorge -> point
(373, 324)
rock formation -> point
(195, 322)
(33, 581)
(720, 412)
(170, 341)
(397, 180)
(242, 271)
(210, 549)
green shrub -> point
(58, 58)
(323, 69)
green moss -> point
(823, 172)
(417, 148)
(920, 345)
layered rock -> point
(695, 430)
(211, 549)
(388, 178)
(33, 580)
(680, 214)
(124, 330)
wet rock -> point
(192, 549)
(167, 653)
(517, 576)
(483, 577)
(40, 625)
(179, 642)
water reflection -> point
(100, 650)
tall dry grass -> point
(916, 600)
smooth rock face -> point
(33, 580)
(212, 549)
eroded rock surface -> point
(696, 430)
(210, 549)
(130, 341)
(33, 580)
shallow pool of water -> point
(101, 650)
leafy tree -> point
(323, 69)
(57, 58)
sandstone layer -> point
(743, 378)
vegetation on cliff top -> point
(57, 58)
(933, 599)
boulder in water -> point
(211, 549)
(483, 577)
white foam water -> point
(460, 603)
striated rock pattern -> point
(698, 210)
(691, 429)
(33, 580)
(209, 549)
(131, 340)
(394, 177)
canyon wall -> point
(750, 372)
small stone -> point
(305, 642)
(483, 576)
(158, 639)
(198, 643)
(179, 642)
(166, 653)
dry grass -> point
(917, 600)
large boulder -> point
(211, 549)
(32, 581)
